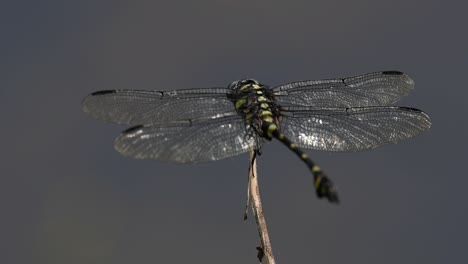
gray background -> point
(67, 197)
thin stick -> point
(265, 251)
(246, 211)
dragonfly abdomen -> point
(323, 185)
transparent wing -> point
(135, 107)
(352, 129)
(372, 89)
(188, 141)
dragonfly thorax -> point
(255, 102)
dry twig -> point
(265, 251)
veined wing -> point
(372, 89)
(135, 107)
(352, 129)
(188, 141)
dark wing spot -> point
(103, 92)
(392, 73)
(132, 129)
(410, 109)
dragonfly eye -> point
(234, 85)
(239, 83)
(250, 81)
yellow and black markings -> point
(245, 87)
(264, 106)
(316, 168)
(317, 182)
(266, 113)
(323, 186)
(240, 102)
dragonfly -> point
(208, 124)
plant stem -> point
(265, 251)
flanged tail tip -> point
(325, 188)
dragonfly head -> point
(241, 83)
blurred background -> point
(67, 197)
